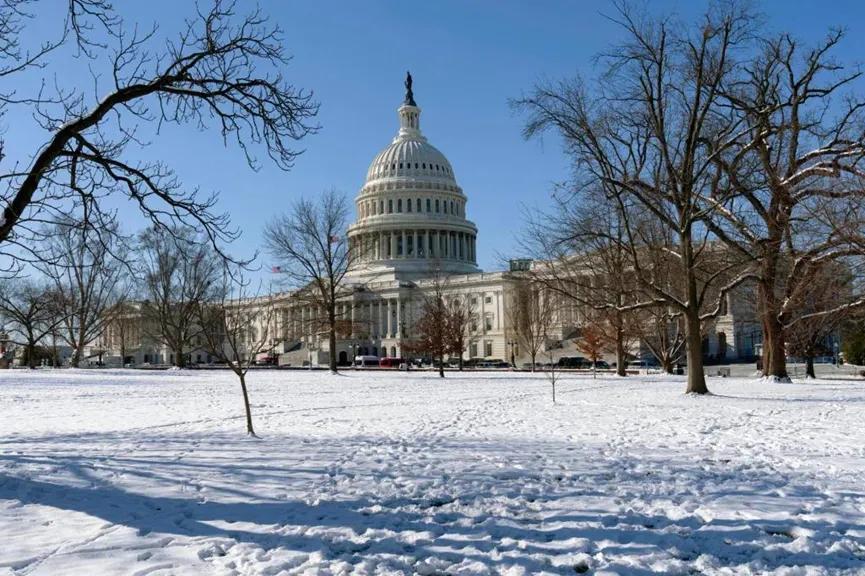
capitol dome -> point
(411, 214)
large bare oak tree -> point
(223, 69)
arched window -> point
(399, 205)
(408, 205)
(428, 205)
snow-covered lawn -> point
(134, 473)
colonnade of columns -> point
(375, 319)
(423, 244)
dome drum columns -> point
(419, 244)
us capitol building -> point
(411, 232)
(411, 235)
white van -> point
(365, 361)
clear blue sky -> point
(467, 59)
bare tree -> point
(660, 330)
(552, 374)
(314, 254)
(28, 313)
(433, 335)
(583, 257)
(87, 279)
(461, 315)
(180, 272)
(820, 313)
(531, 313)
(222, 68)
(647, 133)
(236, 328)
(794, 188)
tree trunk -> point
(621, 369)
(461, 361)
(809, 366)
(31, 356)
(442, 366)
(331, 339)
(774, 349)
(667, 365)
(75, 361)
(694, 337)
(249, 429)
(178, 357)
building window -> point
(488, 348)
(488, 299)
(437, 206)
(408, 205)
(488, 322)
(410, 244)
(428, 202)
(399, 205)
(390, 206)
(473, 350)
(381, 207)
(417, 205)
(399, 245)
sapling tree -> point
(236, 327)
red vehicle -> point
(390, 362)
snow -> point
(150, 473)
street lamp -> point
(512, 343)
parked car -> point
(366, 361)
(642, 364)
(266, 359)
(387, 362)
(602, 365)
(573, 362)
